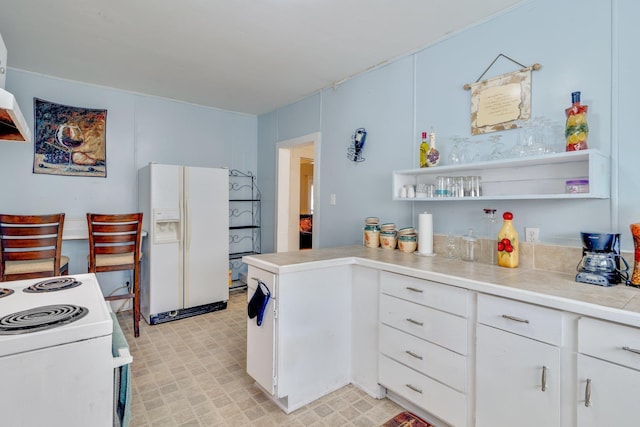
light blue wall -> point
(585, 45)
(140, 129)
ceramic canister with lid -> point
(371, 233)
(407, 242)
(388, 239)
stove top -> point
(71, 308)
(5, 292)
(53, 285)
(40, 318)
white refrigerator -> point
(185, 256)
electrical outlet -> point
(532, 235)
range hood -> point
(13, 126)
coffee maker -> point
(601, 260)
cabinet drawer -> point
(443, 402)
(609, 341)
(540, 323)
(432, 325)
(432, 360)
(443, 297)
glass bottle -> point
(508, 244)
(433, 155)
(576, 129)
(635, 277)
(488, 235)
(424, 150)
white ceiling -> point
(249, 56)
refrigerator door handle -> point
(186, 219)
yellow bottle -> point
(508, 243)
(424, 151)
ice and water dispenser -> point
(166, 225)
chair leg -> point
(136, 302)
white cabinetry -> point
(423, 342)
(517, 364)
(365, 291)
(261, 340)
(608, 374)
(539, 177)
(310, 341)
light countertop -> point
(618, 303)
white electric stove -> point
(56, 363)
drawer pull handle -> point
(415, 322)
(632, 350)
(411, 353)
(412, 289)
(416, 389)
(587, 393)
(517, 319)
(544, 378)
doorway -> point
(296, 195)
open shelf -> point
(535, 177)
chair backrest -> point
(28, 239)
(113, 236)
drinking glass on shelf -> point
(472, 150)
(496, 148)
(455, 155)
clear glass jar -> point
(451, 249)
(489, 237)
(469, 246)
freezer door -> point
(206, 231)
(160, 285)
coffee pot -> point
(601, 260)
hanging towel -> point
(258, 303)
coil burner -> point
(5, 292)
(52, 285)
(41, 318)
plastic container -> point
(577, 186)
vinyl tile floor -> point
(192, 372)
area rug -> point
(406, 419)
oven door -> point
(121, 376)
(64, 385)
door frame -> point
(287, 211)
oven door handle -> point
(124, 358)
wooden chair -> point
(30, 247)
(114, 244)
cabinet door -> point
(364, 330)
(261, 346)
(518, 380)
(610, 391)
